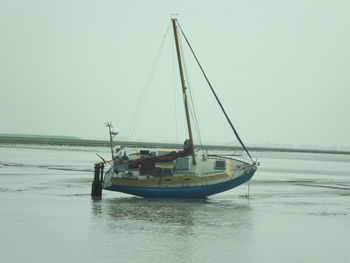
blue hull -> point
(185, 192)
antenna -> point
(112, 134)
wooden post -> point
(96, 189)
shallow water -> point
(298, 210)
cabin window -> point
(182, 163)
(220, 164)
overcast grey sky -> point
(280, 67)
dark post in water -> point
(96, 190)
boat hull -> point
(183, 192)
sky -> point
(280, 68)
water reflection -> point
(176, 212)
(187, 230)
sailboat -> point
(182, 173)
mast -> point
(179, 59)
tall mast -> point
(183, 84)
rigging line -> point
(194, 115)
(142, 101)
(194, 111)
(146, 88)
(139, 105)
(197, 128)
(216, 97)
(133, 118)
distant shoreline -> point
(103, 143)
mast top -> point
(174, 16)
